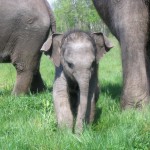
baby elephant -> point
(75, 91)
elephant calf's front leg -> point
(61, 103)
(93, 98)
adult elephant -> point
(129, 21)
(24, 27)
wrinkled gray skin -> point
(24, 26)
(129, 21)
(75, 91)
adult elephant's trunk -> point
(83, 82)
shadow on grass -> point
(50, 89)
(97, 115)
(112, 90)
(5, 92)
(46, 89)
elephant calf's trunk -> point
(83, 103)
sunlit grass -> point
(28, 122)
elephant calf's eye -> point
(70, 65)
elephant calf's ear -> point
(103, 44)
(52, 48)
(47, 45)
(55, 50)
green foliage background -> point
(79, 14)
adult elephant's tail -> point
(52, 18)
(52, 21)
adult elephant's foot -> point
(23, 83)
(37, 84)
(136, 101)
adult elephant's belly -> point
(7, 42)
(16, 24)
(4, 58)
(5, 48)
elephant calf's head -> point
(77, 51)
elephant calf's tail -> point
(52, 18)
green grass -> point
(28, 122)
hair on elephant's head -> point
(76, 45)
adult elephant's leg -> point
(133, 40)
(26, 69)
(130, 25)
(148, 59)
(128, 21)
(26, 58)
(37, 84)
(28, 80)
(135, 80)
(23, 82)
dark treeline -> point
(79, 14)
